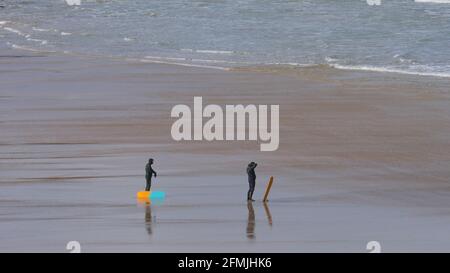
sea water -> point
(402, 36)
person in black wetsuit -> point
(148, 174)
(251, 180)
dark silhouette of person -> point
(251, 180)
(148, 174)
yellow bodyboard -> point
(143, 194)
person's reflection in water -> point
(148, 218)
(269, 216)
(250, 221)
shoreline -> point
(248, 67)
(355, 147)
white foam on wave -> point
(73, 2)
(207, 51)
(216, 64)
(26, 48)
(166, 61)
(331, 59)
(215, 51)
(391, 70)
(302, 65)
(221, 62)
(181, 59)
(41, 29)
(42, 42)
(2, 23)
(16, 31)
(25, 36)
(65, 33)
(166, 58)
(433, 1)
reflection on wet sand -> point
(148, 219)
(268, 214)
(250, 221)
(148, 211)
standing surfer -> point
(148, 174)
(251, 180)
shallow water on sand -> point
(45, 216)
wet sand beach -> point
(363, 156)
